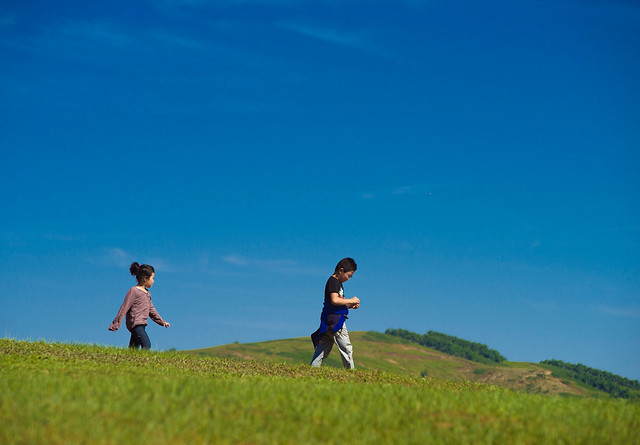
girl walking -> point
(137, 307)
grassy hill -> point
(71, 394)
(382, 352)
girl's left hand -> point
(166, 325)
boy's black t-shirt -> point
(333, 285)
(330, 310)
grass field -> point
(378, 351)
(58, 393)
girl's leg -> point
(344, 346)
(139, 338)
(323, 349)
(132, 342)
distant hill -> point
(451, 345)
(383, 352)
(615, 385)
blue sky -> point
(480, 161)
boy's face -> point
(343, 276)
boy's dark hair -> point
(347, 265)
(142, 273)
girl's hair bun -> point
(134, 268)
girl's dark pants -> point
(139, 338)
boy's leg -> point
(323, 349)
(344, 346)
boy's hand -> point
(166, 325)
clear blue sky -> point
(479, 160)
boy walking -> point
(333, 328)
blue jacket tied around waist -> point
(332, 317)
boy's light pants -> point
(342, 340)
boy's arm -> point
(336, 300)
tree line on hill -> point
(449, 344)
(605, 381)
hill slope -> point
(382, 352)
(60, 394)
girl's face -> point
(343, 276)
(149, 282)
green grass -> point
(382, 352)
(59, 393)
(373, 350)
